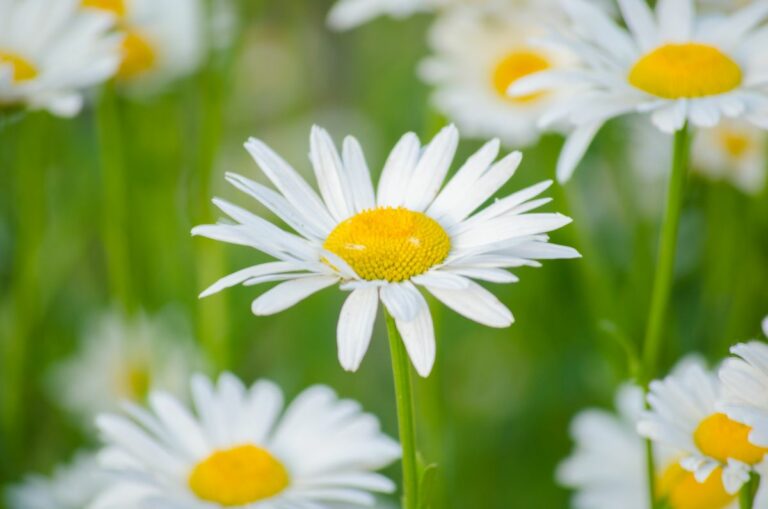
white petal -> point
(675, 18)
(402, 300)
(356, 326)
(640, 20)
(419, 339)
(358, 174)
(397, 171)
(250, 272)
(575, 147)
(289, 293)
(431, 169)
(330, 174)
(477, 304)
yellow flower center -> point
(721, 438)
(392, 244)
(115, 6)
(677, 71)
(238, 476)
(736, 144)
(23, 69)
(514, 66)
(681, 490)
(138, 56)
(134, 382)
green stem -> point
(748, 492)
(115, 216)
(662, 285)
(401, 372)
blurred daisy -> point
(733, 151)
(672, 64)
(347, 14)
(122, 359)
(684, 416)
(50, 52)
(382, 245)
(745, 381)
(163, 40)
(479, 53)
(72, 486)
(608, 470)
(240, 449)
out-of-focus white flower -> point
(478, 53)
(672, 64)
(381, 246)
(608, 469)
(72, 486)
(240, 449)
(685, 416)
(734, 151)
(50, 52)
(163, 39)
(122, 359)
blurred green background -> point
(495, 412)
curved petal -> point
(356, 326)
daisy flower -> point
(733, 151)
(346, 14)
(163, 40)
(478, 54)
(50, 52)
(745, 381)
(382, 245)
(123, 359)
(240, 449)
(684, 415)
(607, 469)
(671, 64)
(72, 486)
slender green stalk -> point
(401, 372)
(748, 492)
(114, 205)
(662, 285)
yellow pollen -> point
(135, 381)
(392, 244)
(23, 70)
(678, 71)
(138, 56)
(721, 438)
(681, 490)
(736, 144)
(514, 66)
(115, 6)
(238, 476)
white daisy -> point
(239, 449)
(608, 470)
(733, 151)
(479, 53)
(72, 486)
(684, 416)
(50, 52)
(123, 359)
(382, 245)
(164, 40)
(672, 64)
(745, 381)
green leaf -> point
(428, 486)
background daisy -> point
(122, 359)
(669, 64)
(381, 245)
(51, 52)
(241, 449)
(479, 52)
(684, 416)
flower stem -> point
(662, 285)
(748, 492)
(401, 372)
(115, 216)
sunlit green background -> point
(495, 412)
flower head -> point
(163, 40)
(478, 53)
(607, 468)
(121, 359)
(671, 64)
(685, 416)
(50, 52)
(382, 245)
(239, 448)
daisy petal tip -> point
(765, 326)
